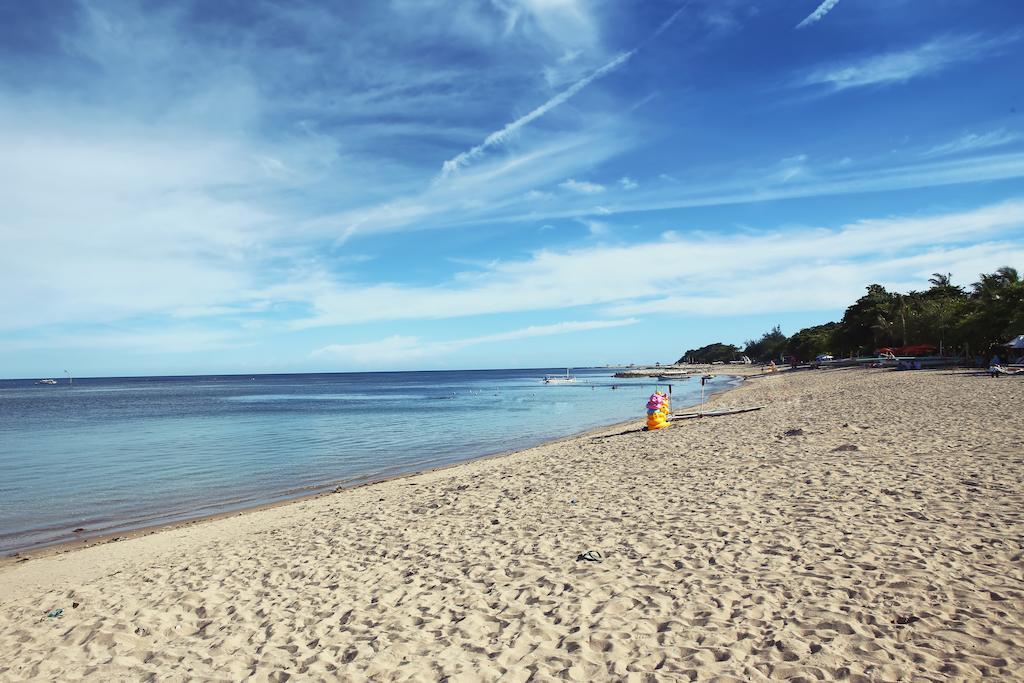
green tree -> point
(996, 309)
(812, 341)
(710, 353)
(945, 315)
(866, 324)
(771, 346)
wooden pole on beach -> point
(702, 379)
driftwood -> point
(714, 413)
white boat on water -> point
(560, 379)
(46, 381)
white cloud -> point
(791, 168)
(818, 14)
(96, 229)
(165, 340)
(486, 189)
(628, 183)
(711, 273)
(582, 186)
(904, 65)
(499, 191)
(970, 142)
(399, 349)
(817, 285)
(391, 351)
(595, 227)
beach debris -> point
(494, 522)
(75, 605)
(658, 409)
(572, 502)
(793, 432)
(904, 620)
(55, 613)
(590, 556)
(845, 447)
(78, 530)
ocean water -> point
(113, 454)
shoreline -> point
(17, 557)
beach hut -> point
(1016, 343)
(1016, 346)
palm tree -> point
(1008, 275)
(883, 330)
(900, 311)
(992, 285)
(998, 303)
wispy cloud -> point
(971, 142)
(818, 14)
(403, 349)
(490, 187)
(501, 135)
(789, 178)
(582, 186)
(901, 66)
(628, 183)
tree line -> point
(950, 319)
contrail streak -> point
(817, 15)
(499, 136)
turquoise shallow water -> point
(111, 454)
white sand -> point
(731, 552)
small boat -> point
(560, 379)
(673, 378)
(46, 381)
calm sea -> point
(112, 454)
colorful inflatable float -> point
(658, 409)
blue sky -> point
(284, 187)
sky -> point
(265, 186)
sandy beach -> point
(865, 525)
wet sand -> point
(865, 525)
